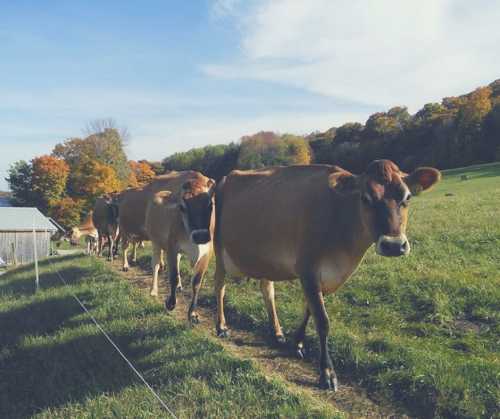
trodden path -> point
(300, 376)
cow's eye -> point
(367, 199)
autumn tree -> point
(106, 147)
(141, 173)
(269, 149)
(91, 179)
(49, 176)
(67, 211)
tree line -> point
(457, 132)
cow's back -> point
(132, 210)
(264, 216)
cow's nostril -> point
(404, 247)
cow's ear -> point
(422, 179)
(161, 197)
(343, 182)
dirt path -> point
(300, 376)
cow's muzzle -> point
(393, 245)
(200, 236)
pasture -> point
(421, 333)
(54, 363)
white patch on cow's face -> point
(393, 246)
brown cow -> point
(180, 219)
(87, 230)
(105, 219)
(314, 223)
(132, 210)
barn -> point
(16, 234)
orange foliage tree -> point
(67, 211)
(91, 179)
(141, 173)
(49, 176)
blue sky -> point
(181, 74)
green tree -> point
(106, 147)
(19, 179)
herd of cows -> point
(311, 222)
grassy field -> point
(55, 364)
(423, 331)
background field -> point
(424, 331)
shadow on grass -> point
(71, 365)
(48, 280)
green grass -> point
(55, 364)
(423, 331)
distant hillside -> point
(457, 132)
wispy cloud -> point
(385, 52)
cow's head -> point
(74, 236)
(195, 203)
(384, 192)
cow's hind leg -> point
(267, 288)
(197, 280)
(173, 276)
(125, 247)
(155, 266)
(316, 304)
(300, 333)
(134, 252)
(220, 289)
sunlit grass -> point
(54, 363)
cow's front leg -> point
(300, 333)
(173, 276)
(155, 267)
(267, 289)
(179, 279)
(196, 282)
(316, 304)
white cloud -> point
(381, 52)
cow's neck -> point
(358, 238)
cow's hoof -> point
(125, 269)
(154, 293)
(328, 380)
(170, 304)
(280, 339)
(223, 333)
(300, 351)
(194, 318)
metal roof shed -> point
(16, 234)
